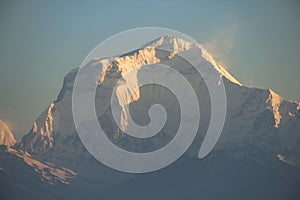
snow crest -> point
(6, 136)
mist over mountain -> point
(256, 157)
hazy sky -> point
(41, 41)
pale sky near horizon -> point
(41, 41)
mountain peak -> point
(177, 45)
(6, 136)
(170, 43)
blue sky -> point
(258, 41)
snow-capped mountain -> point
(6, 136)
(257, 117)
(256, 157)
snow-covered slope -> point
(256, 118)
(6, 136)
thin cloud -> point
(222, 42)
